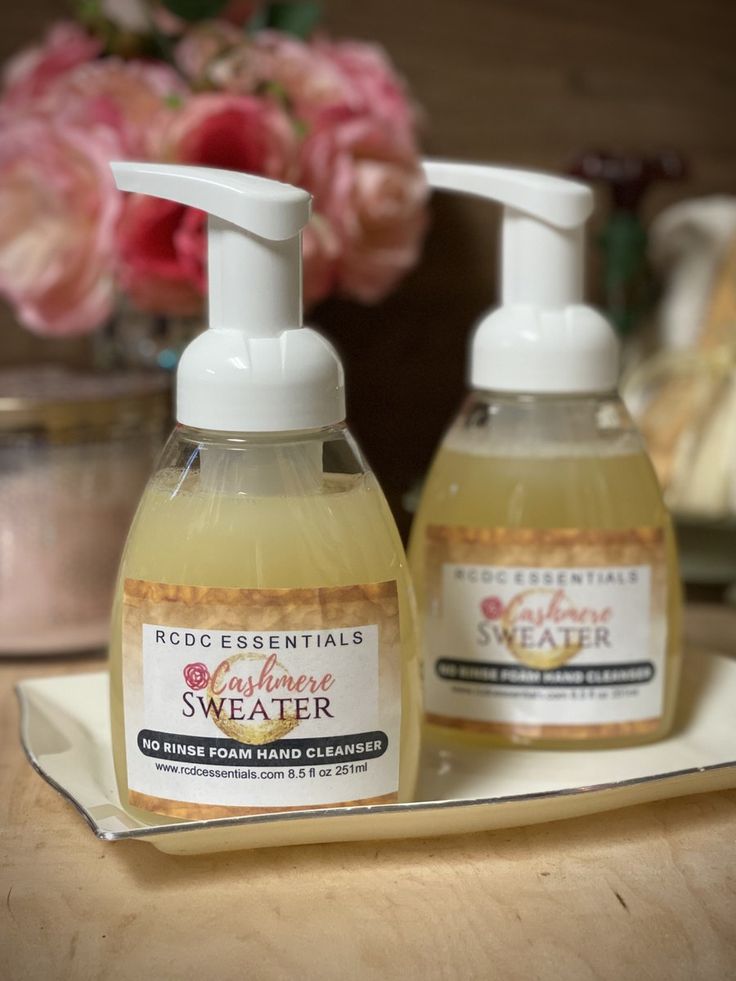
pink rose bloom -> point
(131, 99)
(320, 259)
(202, 44)
(30, 73)
(292, 69)
(372, 191)
(58, 212)
(310, 80)
(235, 132)
(162, 244)
(161, 253)
(375, 88)
(318, 78)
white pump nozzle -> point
(542, 338)
(256, 369)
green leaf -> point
(276, 90)
(301, 128)
(88, 9)
(299, 19)
(193, 10)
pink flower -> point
(492, 607)
(30, 73)
(332, 116)
(196, 675)
(316, 78)
(320, 258)
(202, 44)
(235, 132)
(310, 81)
(374, 86)
(300, 74)
(58, 212)
(131, 99)
(372, 191)
(161, 253)
(162, 245)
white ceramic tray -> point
(65, 733)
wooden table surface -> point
(645, 892)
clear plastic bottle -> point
(264, 653)
(542, 551)
(277, 513)
(564, 482)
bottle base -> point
(446, 736)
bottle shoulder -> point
(543, 427)
(252, 465)
(559, 485)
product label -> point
(242, 700)
(557, 633)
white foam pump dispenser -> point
(256, 369)
(542, 338)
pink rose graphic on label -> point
(492, 608)
(196, 675)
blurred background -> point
(529, 84)
(639, 95)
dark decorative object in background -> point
(628, 287)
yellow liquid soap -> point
(543, 555)
(295, 581)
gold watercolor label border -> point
(546, 548)
(263, 610)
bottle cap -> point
(256, 369)
(542, 338)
